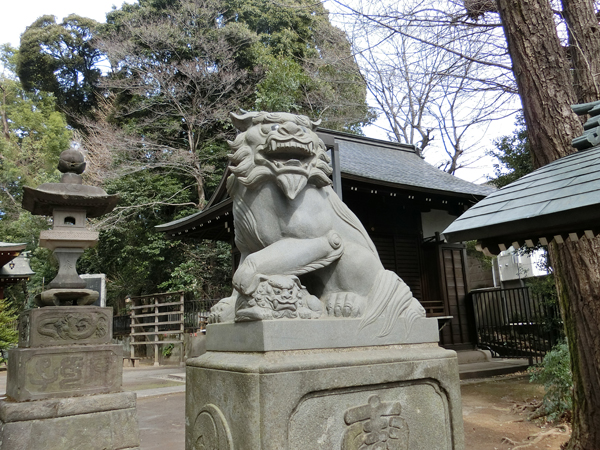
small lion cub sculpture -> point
(279, 296)
(304, 254)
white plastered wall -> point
(435, 220)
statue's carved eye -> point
(267, 128)
(277, 291)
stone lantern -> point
(69, 202)
(64, 379)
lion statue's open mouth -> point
(289, 154)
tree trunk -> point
(584, 48)
(542, 74)
(5, 128)
(577, 266)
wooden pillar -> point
(337, 170)
(131, 334)
(181, 328)
(156, 363)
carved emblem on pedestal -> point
(75, 326)
(64, 371)
(211, 430)
(58, 372)
(375, 426)
(65, 325)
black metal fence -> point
(516, 323)
(195, 317)
(121, 325)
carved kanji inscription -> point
(375, 426)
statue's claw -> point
(345, 304)
(252, 314)
(224, 311)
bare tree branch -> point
(437, 80)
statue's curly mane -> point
(242, 162)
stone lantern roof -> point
(70, 193)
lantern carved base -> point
(67, 371)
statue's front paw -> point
(311, 307)
(345, 304)
(253, 313)
(224, 311)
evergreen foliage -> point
(34, 135)
(513, 154)
(555, 374)
(8, 333)
(61, 58)
(263, 48)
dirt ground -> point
(493, 417)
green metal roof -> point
(558, 201)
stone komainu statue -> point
(303, 252)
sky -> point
(18, 14)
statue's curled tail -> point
(391, 298)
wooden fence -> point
(195, 317)
(154, 317)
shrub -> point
(8, 332)
(555, 374)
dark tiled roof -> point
(402, 167)
(365, 158)
(219, 212)
(558, 199)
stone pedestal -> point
(97, 422)
(64, 384)
(393, 396)
(276, 335)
